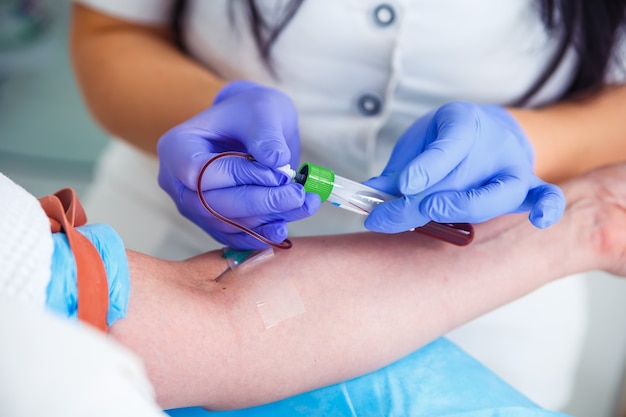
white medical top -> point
(360, 72)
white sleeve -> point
(25, 245)
(151, 12)
(48, 365)
(55, 367)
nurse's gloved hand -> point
(245, 117)
(463, 163)
(62, 292)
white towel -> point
(51, 366)
(25, 245)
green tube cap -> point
(318, 180)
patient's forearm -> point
(369, 300)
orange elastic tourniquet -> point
(65, 212)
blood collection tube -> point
(359, 198)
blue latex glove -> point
(249, 118)
(62, 292)
(463, 163)
(439, 380)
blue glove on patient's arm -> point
(249, 118)
(62, 292)
(463, 163)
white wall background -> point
(600, 375)
(48, 141)
(47, 138)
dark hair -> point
(177, 22)
(266, 32)
(591, 27)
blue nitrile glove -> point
(463, 163)
(439, 380)
(249, 118)
(62, 292)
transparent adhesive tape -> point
(278, 302)
(276, 299)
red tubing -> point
(460, 234)
(285, 244)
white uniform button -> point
(369, 104)
(384, 15)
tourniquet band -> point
(65, 212)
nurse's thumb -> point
(270, 148)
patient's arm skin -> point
(370, 299)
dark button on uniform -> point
(369, 104)
(384, 15)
